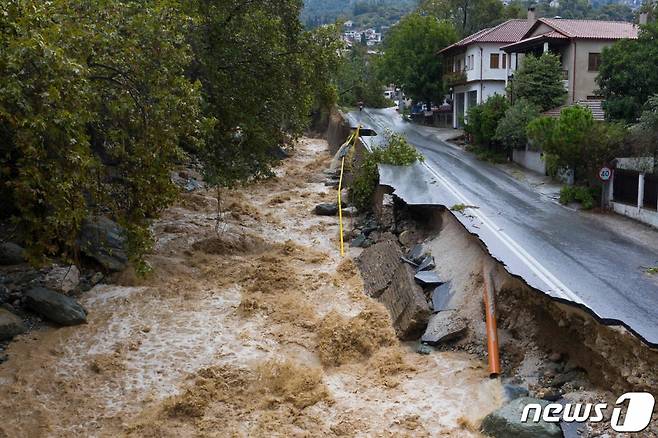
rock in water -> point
(55, 307)
(10, 325)
(326, 209)
(444, 327)
(104, 240)
(11, 254)
(63, 278)
(506, 422)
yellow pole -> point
(354, 137)
(340, 208)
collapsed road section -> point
(572, 257)
(534, 305)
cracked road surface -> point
(569, 255)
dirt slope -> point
(260, 329)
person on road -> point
(360, 106)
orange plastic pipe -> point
(492, 327)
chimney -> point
(644, 17)
(531, 14)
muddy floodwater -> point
(255, 328)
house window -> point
(458, 65)
(494, 61)
(504, 60)
(594, 61)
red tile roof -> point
(592, 29)
(508, 32)
(516, 30)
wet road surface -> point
(557, 250)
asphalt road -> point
(564, 253)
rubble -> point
(427, 264)
(377, 266)
(444, 327)
(406, 303)
(428, 278)
(442, 296)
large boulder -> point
(10, 325)
(104, 240)
(55, 307)
(62, 278)
(506, 422)
(11, 254)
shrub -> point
(483, 119)
(539, 81)
(576, 141)
(584, 195)
(511, 130)
(396, 152)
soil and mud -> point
(256, 328)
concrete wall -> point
(649, 217)
(585, 81)
(480, 55)
(530, 160)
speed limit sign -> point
(605, 174)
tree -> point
(539, 81)
(628, 74)
(411, 60)
(261, 73)
(574, 140)
(358, 80)
(483, 119)
(467, 16)
(645, 132)
(86, 125)
(512, 128)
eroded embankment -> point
(555, 349)
(258, 328)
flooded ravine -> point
(257, 329)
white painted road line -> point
(540, 271)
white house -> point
(477, 68)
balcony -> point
(454, 78)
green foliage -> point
(645, 132)
(539, 81)
(487, 154)
(576, 141)
(364, 13)
(511, 130)
(100, 100)
(357, 80)
(584, 195)
(411, 57)
(469, 16)
(396, 152)
(86, 125)
(628, 74)
(261, 73)
(483, 119)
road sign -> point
(605, 174)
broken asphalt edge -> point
(611, 322)
(605, 321)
